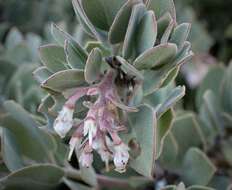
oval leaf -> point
(197, 168)
(38, 177)
(129, 43)
(93, 66)
(53, 57)
(63, 80)
(160, 7)
(119, 26)
(143, 124)
(156, 56)
(147, 32)
(180, 34)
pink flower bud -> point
(86, 159)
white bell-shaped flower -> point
(64, 121)
(121, 157)
(105, 154)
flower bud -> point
(90, 129)
(100, 147)
(64, 121)
(86, 159)
(121, 157)
(75, 141)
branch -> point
(103, 181)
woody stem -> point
(103, 181)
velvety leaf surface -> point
(65, 79)
(147, 32)
(128, 49)
(38, 177)
(119, 26)
(102, 12)
(197, 168)
(53, 57)
(156, 56)
(144, 126)
(161, 7)
(93, 66)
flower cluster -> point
(99, 129)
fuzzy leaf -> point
(171, 76)
(147, 33)
(156, 56)
(59, 35)
(82, 18)
(163, 128)
(160, 7)
(210, 115)
(184, 55)
(65, 79)
(96, 44)
(167, 33)
(37, 177)
(32, 143)
(76, 55)
(101, 13)
(170, 152)
(10, 151)
(164, 98)
(143, 123)
(93, 66)
(226, 90)
(46, 103)
(86, 23)
(180, 34)
(119, 26)
(184, 128)
(212, 81)
(41, 74)
(197, 168)
(154, 79)
(13, 38)
(53, 57)
(162, 24)
(174, 96)
(129, 42)
(21, 80)
(19, 55)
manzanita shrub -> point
(33, 15)
(112, 102)
(18, 59)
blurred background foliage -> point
(33, 15)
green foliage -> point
(67, 65)
(143, 44)
(18, 59)
(32, 16)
